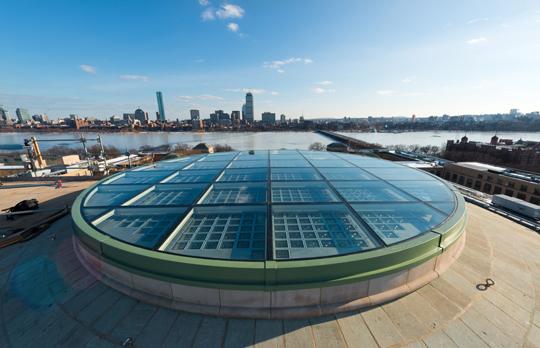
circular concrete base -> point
(272, 304)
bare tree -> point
(317, 147)
(222, 148)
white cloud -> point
(320, 90)
(412, 94)
(274, 93)
(246, 90)
(227, 11)
(408, 79)
(391, 92)
(254, 90)
(476, 40)
(88, 68)
(233, 27)
(134, 78)
(278, 65)
(208, 14)
(199, 97)
(325, 83)
(478, 20)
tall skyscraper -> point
(161, 116)
(248, 110)
(3, 114)
(195, 115)
(22, 115)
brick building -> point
(495, 180)
(521, 154)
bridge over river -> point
(351, 142)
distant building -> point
(495, 180)
(248, 110)
(222, 115)
(283, 118)
(41, 118)
(74, 121)
(197, 125)
(195, 115)
(118, 121)
(22, 115)
(4, 114)
(520, 154)
(141, 116)
(128, 117)
(268, 117)
(514, 112)
(235, 115)
(161, 108)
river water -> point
(258, 141)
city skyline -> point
(249, 117)
(401, 58)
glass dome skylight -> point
(268, 205)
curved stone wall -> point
(272, 304)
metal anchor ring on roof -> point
(483, 287)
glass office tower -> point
(161, 116)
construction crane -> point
(36, 157)
(34, 153)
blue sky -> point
(319, 58)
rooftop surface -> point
(480, 166)
(48, 299)
(513, 173)
(49, 198)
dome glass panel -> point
(104, 195)
(138, 177)
(168, 194)
(226, 232)
(268, 205)
(305, 191)
(294, 174)
(192, 176)
(240, 175)
(370, 191)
